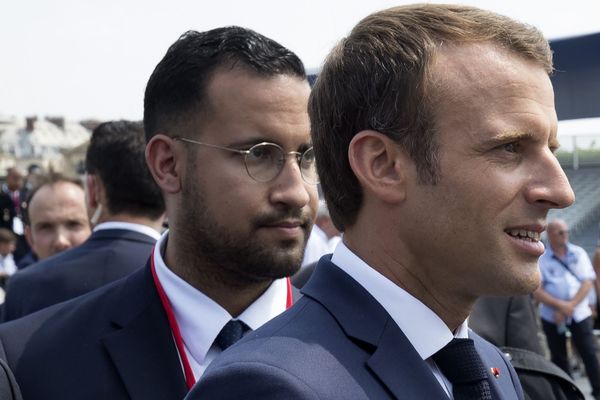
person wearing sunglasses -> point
(567, 278)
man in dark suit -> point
(128, 211)
(433, 129)
(229, 146)
(7, 211)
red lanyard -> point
(187, 369)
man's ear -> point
(380, 165)
(165, 160)
(92, 194)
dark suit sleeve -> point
(9, 390)
(250, 380)
(17, 287)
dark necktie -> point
(460, 363)
(231, 333)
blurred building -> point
(44, 141)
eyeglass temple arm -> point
(211, 145)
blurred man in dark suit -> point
(56, 217)
(128, 210)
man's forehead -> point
(237, 85)
(242, 107)
(52, 191)
(558, 225)
(477, 64)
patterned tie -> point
(231, 333)
(460, 363)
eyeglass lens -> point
(264, 162)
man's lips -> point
(527, 238)
(285, 224)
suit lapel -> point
(398, 365)
(142, 347)
(394, 361)
(503, 386)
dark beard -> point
(236, 260)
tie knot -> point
(460, 363)
(231, 333)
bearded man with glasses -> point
(225, 117)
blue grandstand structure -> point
(576, 84)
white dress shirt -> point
(423, 328)
(144, 229)
(200, 319)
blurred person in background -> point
(7, 211)
(13, 187)
(127, 209)
(23, 254)
(56, 218)
(567, 278)
(596, 264)
(7, 263)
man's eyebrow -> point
(514, 136)
(508, 136)
(247, 143)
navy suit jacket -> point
(336, 342)
(106, 256)
(9, 390)
(113, 343)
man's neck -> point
(443, 301)
(231, 294)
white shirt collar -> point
(200, 319)
(424, 329)
(130, 226)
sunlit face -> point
(476, 232)
(58, 219)
(558, 234)
(252, 230)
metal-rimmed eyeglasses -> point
(264, 161)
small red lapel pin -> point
(495, 372)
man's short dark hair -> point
(116, 154)
(49, 179)
(379, 78)
(176, 89)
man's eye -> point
(44, 227)
(262, 153)
(512, 147)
